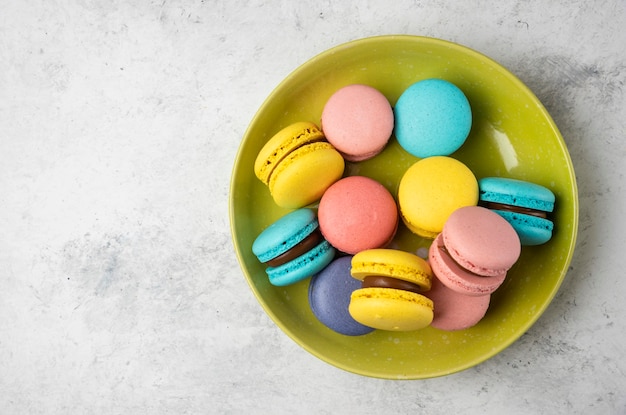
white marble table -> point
(120, 292)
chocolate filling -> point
(515, 209)
(304, 246)
(379, 281)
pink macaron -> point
(453, 310)
(358, 121)
(475, 250)
(358, 213)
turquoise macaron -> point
(432, 117)
(293, 248)
(526, 206)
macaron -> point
(329, 298)
(391, 295)
(432, 118)
(431, 189)
(358, 121)
(526, 206)
(298, 165)
(455, 311)
(357, 213)
(293, 248)
(474, 252)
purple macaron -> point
(329, 298)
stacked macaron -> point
(470, 259)
(341, 227)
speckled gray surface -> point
(119, 288)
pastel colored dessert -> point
(455, 311)
(432, 118)
(358, 213)
(525, 205)
(391, 295)
(293, 248)
(474, 252)
(329, 298)
(358, 121)
(431, 189)
(298, 165)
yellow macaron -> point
(431, 189)
(390, 296)
(298, 165)
(392, 263)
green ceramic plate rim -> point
(419, 40)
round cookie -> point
(298, 165)
(358, 213)
(358, 121)
(475, 251)
(293, 248)
(391, 294)
(432, 118)
(329, 298)
(431, 189)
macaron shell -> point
(357, 213)
(516, 192)
(358, 121)
(432, 118)
(457, 278)
(481, 241)
(455, 311)
(391, 309)
(304, 266)
(284, 234)
(329, 298)
(302, 177)
(282, 144)
(531, 230)
(431, 189)
(392, 263)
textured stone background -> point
(119, 289)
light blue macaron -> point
(432, 118)
(286, 234)
(525, 205)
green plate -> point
(512, 135)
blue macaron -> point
(433, 117)
(293, 248)
(526, 206)
(329, 298)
